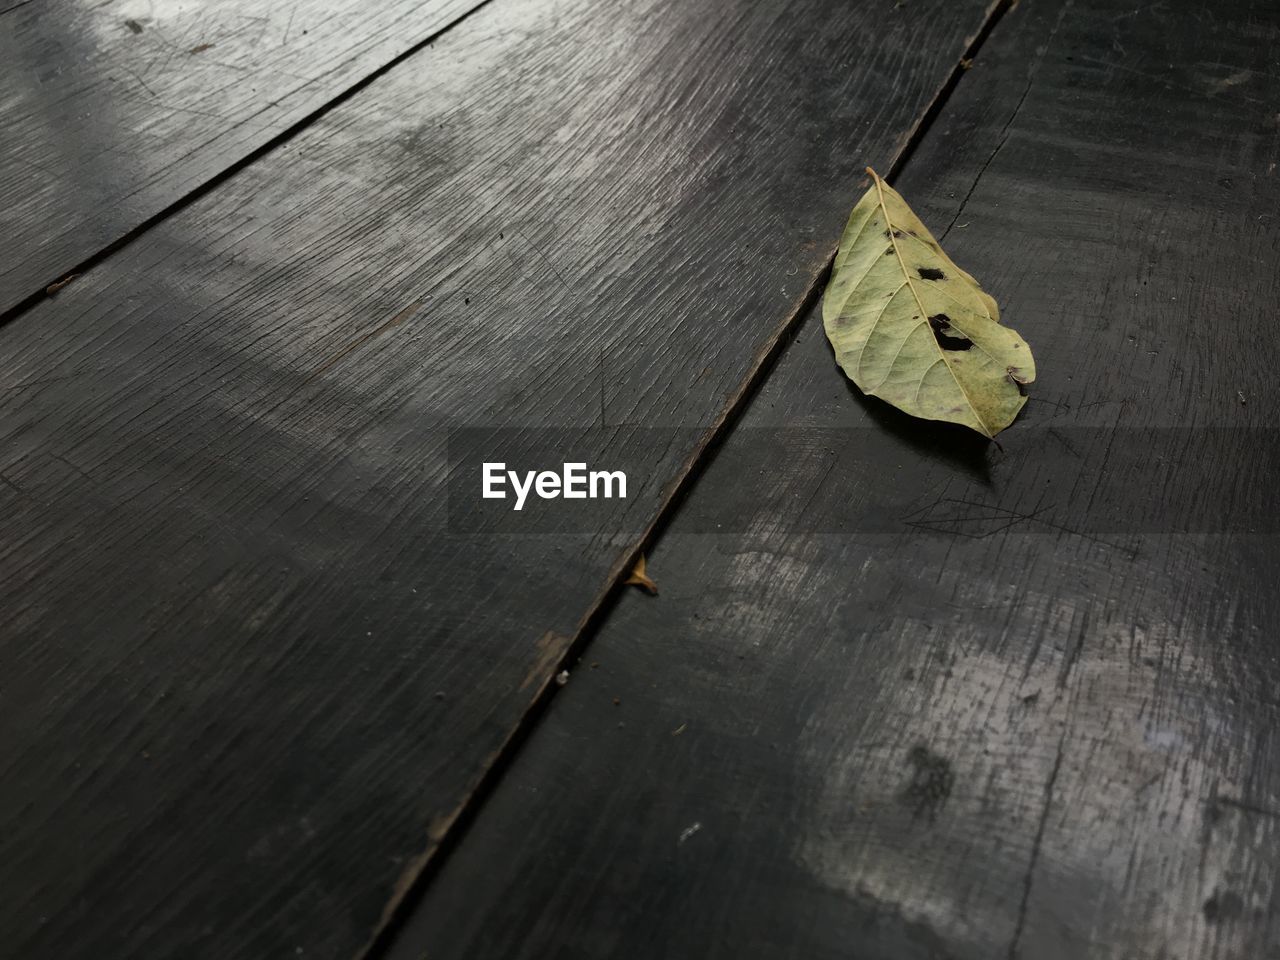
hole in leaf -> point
(929, 273)
(947, 336)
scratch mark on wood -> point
(74, 466)
(16, 488)
(543, 257)
(1243, 806)
(1004, 132)
(1029, 879)
(364, 338)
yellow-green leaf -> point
(912, 328)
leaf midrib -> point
(923, 312)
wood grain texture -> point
(253, 668)
(995, 734)
(113, 111)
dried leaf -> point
(639, 578)
(912, 328)
(53, 288)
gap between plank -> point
(222, 176)
(452, 828)
(13, 7)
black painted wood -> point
(907, 695)
(113, 111)
(256, 659)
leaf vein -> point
(941, 355)
(875, 323)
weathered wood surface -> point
(960, 729)
(113, 111)
(252, 669)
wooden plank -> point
(884, 708)
(114, 111)
(255, 663)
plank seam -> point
(449, 830)
(55, 283)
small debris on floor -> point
(679, 730)
(53, 288)
(639, 578)
(201, 48)
(1243, 398)
(562, 678)
(688, 832)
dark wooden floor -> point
(274, 686)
